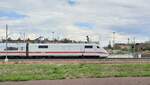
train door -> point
(89, 50)
(21, 49)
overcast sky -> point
(76, 19)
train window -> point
(98, 47)
(43, 46)
(88, 46)
(11, 48)
(21, 48)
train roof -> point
(51, 43)
(65, 43)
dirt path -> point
(94, 81)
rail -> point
(83, 61)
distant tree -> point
(9, 39)
(46, 40)
(65, 40)
(74, 41)
(55, 40)
(28, 40)
(109, 45)
(19, 39)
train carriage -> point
(71, 49)
(13, 49)
(55, 50)
(52, 49)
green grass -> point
(20, 72)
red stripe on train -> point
(53, 52)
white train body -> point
(13, 49)
(58, 49)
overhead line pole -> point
(6, 58)
(114, 39)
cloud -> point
(11, 15)
(77, 18)
(85, 25)
(72, 2)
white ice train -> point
(52, 49)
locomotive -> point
(52, 50)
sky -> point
(76, 19)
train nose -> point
(104, 53)
(107, 54)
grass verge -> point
(21, 72)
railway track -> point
(76, 61)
